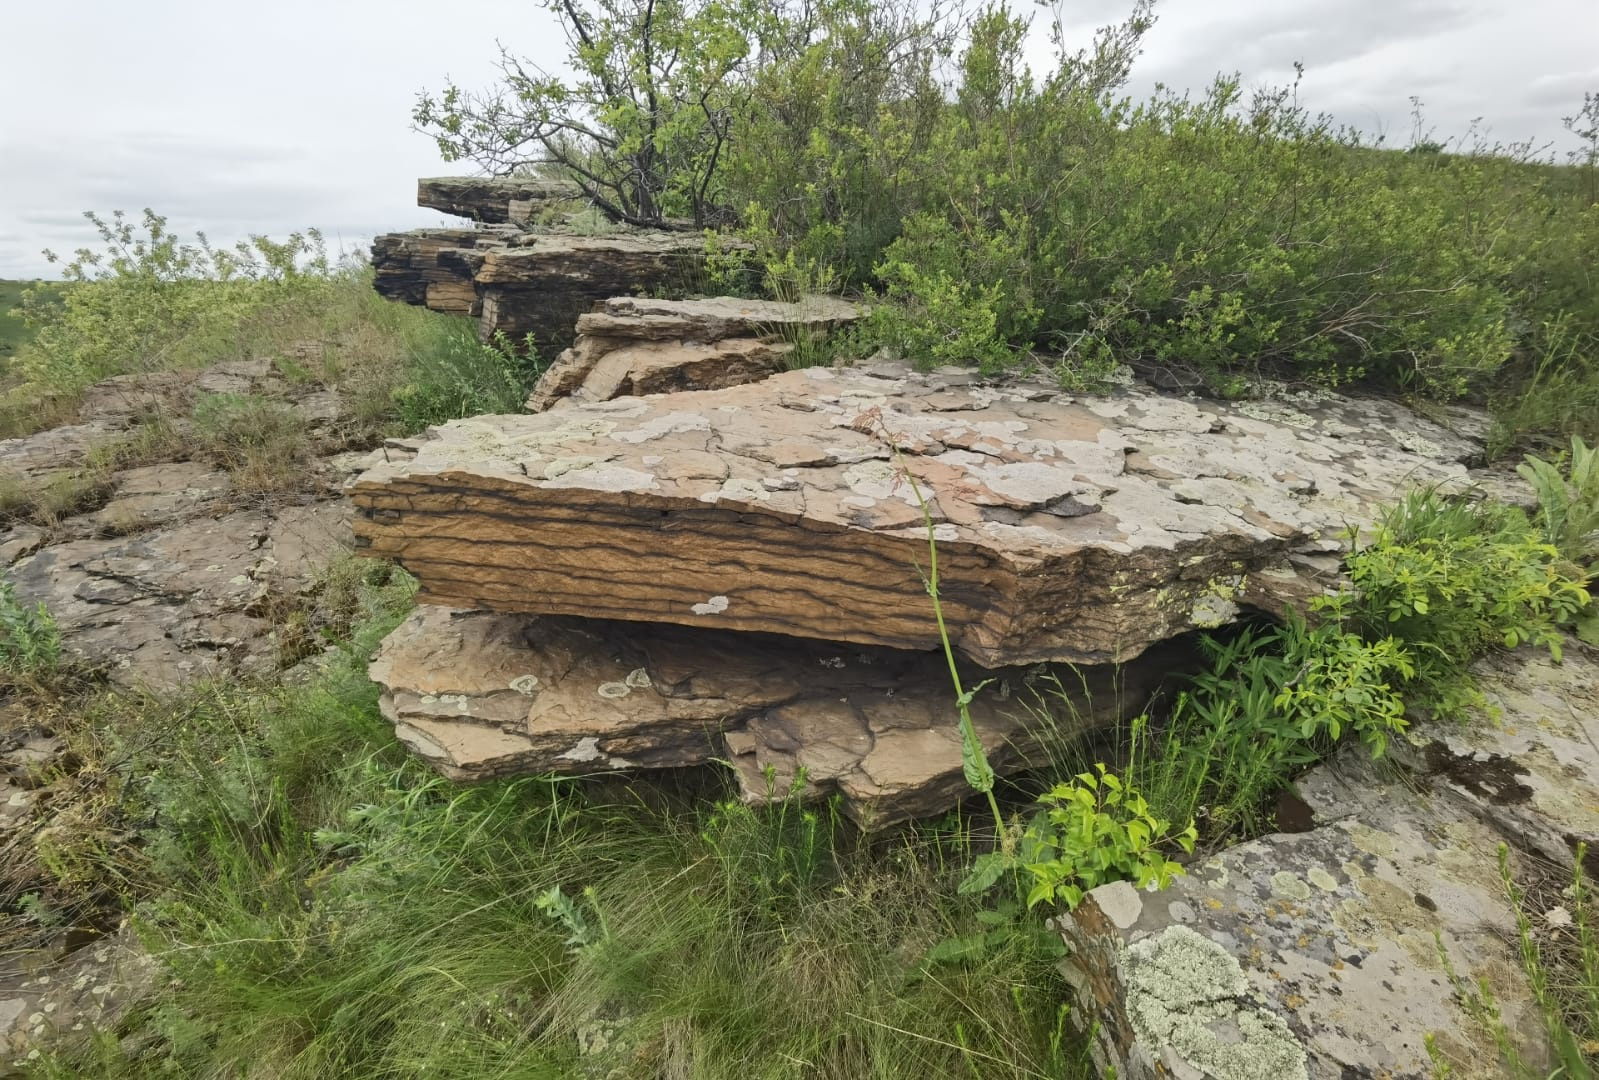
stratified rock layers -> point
(1080, 531)
(480, 694)
(520, 282)
(629, 346)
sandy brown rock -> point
(1068, 530)
(480, 694)
(630, 346)
(490, 199)
(156, 494)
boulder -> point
(481, 694)
(1340, 950)
(494, 200)
(629, 346)
(1316, 956)
(1067, 530)
(520, 282)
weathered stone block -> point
(1068, 530)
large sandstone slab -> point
(1079, 530)
(479, 694)
(630, 347)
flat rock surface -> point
(1530, 767)
(491, 199)
(483, 694)
(1078, 530)
(159, 608)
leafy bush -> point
(1343, 683)
(1451, 578)
(458, 376)
(30, 641)
(1093, 830)
(1568, 504)
(150, 300)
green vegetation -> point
(328, 907)
(30, 643)
(1094, 830)
(1002, 216)
(325, 906)
(148, 303)
(14, 333)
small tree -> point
(642, 124)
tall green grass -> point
(328, 907)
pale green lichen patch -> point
(1288, 886)
(1371, 841)
(1187, 993)
(1322, 879)
(1211, 611)
(1416, 444)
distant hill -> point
(13, 334)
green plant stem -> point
(968, 729)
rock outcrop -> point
(1068, 530)
(480, 694)
(518, 281)
(630, 347)
(493, 200)
(535, 283)
(1328, 953)
(165, 606)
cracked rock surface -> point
(1081, 530)
(1323, 953)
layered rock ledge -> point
(628, 346)
(520, 282)
(1068, 530)
(480, 694)
(495, 200)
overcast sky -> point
(246, 118)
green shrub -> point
(1093, 830)
(1343, 683)
(149, 300)
(454, 375)
(1568, 503)
(30, 641)
(1451, 578)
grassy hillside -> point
(13, 333)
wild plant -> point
(30, 640)
(1568, 502)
